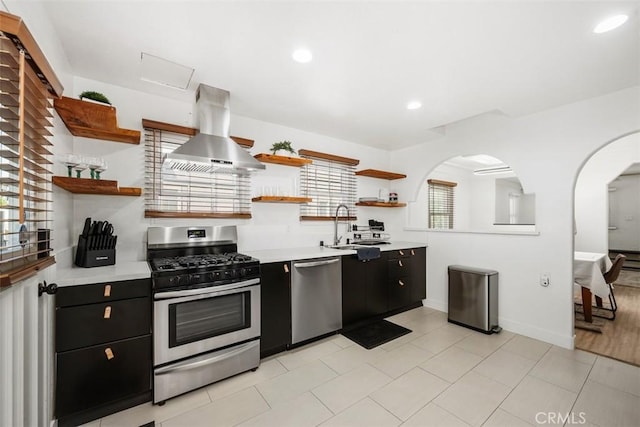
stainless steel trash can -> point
(473, 298)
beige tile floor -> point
(439, 375)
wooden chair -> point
(610, 277)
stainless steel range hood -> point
(212, 149)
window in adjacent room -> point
(441, 203)
(173, 193)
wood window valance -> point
(443, 183)
(184, 130)
(329, 157)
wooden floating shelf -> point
(281, 199)
(119, 135)
(93, 120)
(382, 204)
(374, 173)
(282, 160)
(95, 186)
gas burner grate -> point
(200, 261)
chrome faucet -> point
(336, 239)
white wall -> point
(271, 226)
(546, 151)
(591, 193)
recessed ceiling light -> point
(302, 55)
(414, 105)
(610, 23)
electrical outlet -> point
(545, 280)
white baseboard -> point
(517, 327)
(436, 305)
(565, 341)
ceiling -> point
(460, 59)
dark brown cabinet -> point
(418, 273)
(275, 310)
(103, 349)
(400, 279)
(372, 289)
(364, 288)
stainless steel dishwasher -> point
(316, 298)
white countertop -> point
(289, 254)
(69, 276)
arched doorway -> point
(616, 338)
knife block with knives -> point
(96, 244)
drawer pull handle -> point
(107, 312)
(400, 263)
(401, 253)
(107, 290)
(286, 268)
(412, 252)
(400, 282)
(109, 353)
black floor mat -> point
(375, 334)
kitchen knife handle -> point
(86, 228)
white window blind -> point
(329, 181)
(441, 203)
(25, 154)
(173, 193)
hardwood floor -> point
(620, 338)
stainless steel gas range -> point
(206, 303)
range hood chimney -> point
(212, 149)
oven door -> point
(194, 321)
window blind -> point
(329, 181)
(173, 193)
(25, 156)
(441, 203)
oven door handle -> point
(203, 291)
(186, 366)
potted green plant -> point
(94, 96)
(282, 146)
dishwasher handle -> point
(316, 263)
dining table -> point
(588, 273)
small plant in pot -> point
(94, 96)
(282, 146)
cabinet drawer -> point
(400, 253)
(102, 292)
(400, 267)
(99, 375)
(85, 325)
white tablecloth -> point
(588, 270)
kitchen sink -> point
(346, 247)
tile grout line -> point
(513, 388)
(582, 387)
(516, 386)
(452, 414)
